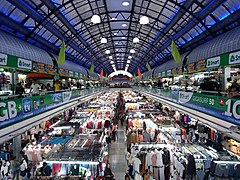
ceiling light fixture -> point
(144, 20)
(116, 43)
(114, 34)
(110, 57)
(123, 37)
(103, 40)
(95, 19)
(116, 49)
(113, 18)
(128, 61)
(135, 40)
(107, 51)
(132, 51)
(125, 3)
(112, 62)
(124, 25)
(129, 57)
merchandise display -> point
(188, 144)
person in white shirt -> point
(35, 87)
(23, 169)
(4, 170)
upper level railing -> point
(16, 109)
(217, 104)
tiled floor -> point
(117, 156)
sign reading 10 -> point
(234, 109)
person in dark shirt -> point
(19, 89)
(108, 173)
(45, 170)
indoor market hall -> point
(119, 90)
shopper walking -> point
(23, 169)
(113, 132)
(15, 167)
(108, 173)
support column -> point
(17, 146)
(226, 74)
(14, 80)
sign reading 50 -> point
(232, 110)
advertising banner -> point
(15, 110)
(201, 65)
(191, 68)
(218, 106)
(221, 107)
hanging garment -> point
(160, 164)
(136, 165)
(222, 170)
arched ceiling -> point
(189, 22)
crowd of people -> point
(36, 88)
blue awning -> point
(224, 43)
(17, 47)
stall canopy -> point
(17, 47)
(227, 42)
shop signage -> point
(201, 65)
(41, 68)
(24, 64)
(168, 72)
(15, 110)
(66, 72)
(221, 107)
(3, 59)
(61, 72)
(49, 69)
(80, 75)
(191, 68)
(213, 62)
(180, 70)
(163, 74)
(71, 73)
(218, 106)
(234, 57)
(174, 71)
(76, 75)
